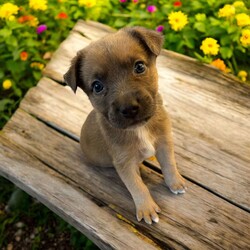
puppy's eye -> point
(139, 67)
(97, 87)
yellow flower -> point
(242, 75)
(177, 20)
(237, 4)
(37, 65)
(7, 84)
(243, 19)
(209, 46)
(245, 38)
(8, 10)
(227, 11)
(33, 22)
(38, 4)
(87, 3)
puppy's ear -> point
(150, 39)
(73, 77)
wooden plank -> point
(212, 156)
(212, 107)
(196, 220)
(92, 30)
(61, 59)
(57, 105)
(67, 200)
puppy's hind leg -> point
(146, 208)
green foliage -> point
(203, 21)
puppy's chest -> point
(145, 146)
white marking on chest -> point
(146, 147)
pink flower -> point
(123, 1)
(151, 8)
(160, 28)
(41, 28)
(135, 1)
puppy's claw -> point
(157, 209)
(147, 219)
(177, 184)
(178, 191)
(156, 219)
(148, 212)
(139, 216)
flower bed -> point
(215, 32)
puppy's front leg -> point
(146, 208)
(173, 179)
(166, 158)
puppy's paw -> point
(177, 184)
(148, 211)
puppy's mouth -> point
(117, 122)
(138, 122)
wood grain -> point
(215, 156)
(69, 201)
(200, 218)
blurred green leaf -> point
(119, 22)
(200, 27)
(1, 74)
(215, 31)
(200, 17)
(214, 21)
(11, 40)
(17, 91)
(5, 102)
(15, 67)
(197, 5)
(226, 52)
(232, 29)
(189, 41)
(198, 56)
(240, 48)
(5, 32)
(225, 40)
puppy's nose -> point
(129, 111)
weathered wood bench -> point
(210, 111)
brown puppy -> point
(128, 123)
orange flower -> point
(218, 63)
(62, 15)
(29, 19)
(21, 19)
(24, 55)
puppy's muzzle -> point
(131, 108)
(128, 105)
(130, 111)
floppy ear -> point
(150, 39)
(73, 77)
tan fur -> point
(128, 123)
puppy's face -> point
(118, 74)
